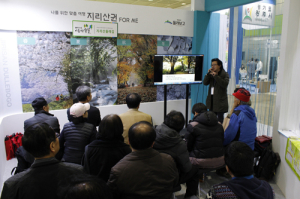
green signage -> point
(78, 41)
(163, 43)
(124, 42)
(26, 41)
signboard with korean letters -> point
(259, 14)
(57, 15)
(94, 29)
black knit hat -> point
(38, 103)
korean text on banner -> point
(94, 29)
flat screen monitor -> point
(178, 69)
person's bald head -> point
(141, 135)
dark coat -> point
(25, 160)
(205, 136)
(44, 179)
(94, 116)
(144, 174)
(169, 141)
(220, 83)
(73, 139)
(43, 117)
(101, 155)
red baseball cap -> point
(242, 94)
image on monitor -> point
(178, 69)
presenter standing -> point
(217, 79)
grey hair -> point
(246, 103)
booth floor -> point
(211, 178)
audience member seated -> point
(87, 187)
(76, 134)
(249, 102)
(169, 141)
(84, 95)
(46, 175)
(205, 138)
(242, 125)
(109, 148)
(41, 114)
(133, 115)
(143, 173)
(239, 159)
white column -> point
(198, 5)
(232, 84)
(288, 95)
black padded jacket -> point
(169, 141)
(73, 139)
(205, 136)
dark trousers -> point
(220, 117)
(257, 75)
(191, 179)
(219, 114)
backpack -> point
(267, 165)
(261, 143)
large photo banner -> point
(48, 61)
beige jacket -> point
(131, 117)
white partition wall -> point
(287, 114)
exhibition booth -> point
(40, 56)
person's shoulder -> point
(17, 178)
(94, 109)
(144, 114)
(166, 157)
(124, 114)
(71, 167)
(224, 73)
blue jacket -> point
(246, 122)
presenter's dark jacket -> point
(94, 116)
(44, 179)
(220, 83)
(144, 174)
(101, 155)
(43, 117)
(73, 139)
(205, 136)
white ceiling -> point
(174, 4)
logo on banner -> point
(248, 13)
(88, 26)
(178, 22)
(168, 22)
(85, 29)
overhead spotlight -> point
(150, 0)
(183, 4)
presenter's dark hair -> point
(88, 187)
(141, 135)
(111, 128)
(175, 120)
(82, 92)
(199, 108)
(239, 158)
(133, 100)
(37, 139)
(219, 62)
